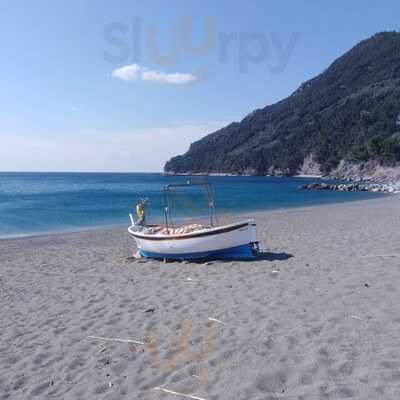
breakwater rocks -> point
(355, 187)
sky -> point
(125, 85)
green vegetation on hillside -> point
(351, 111)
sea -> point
(42, 203)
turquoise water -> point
(32, 203)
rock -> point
(355, 187)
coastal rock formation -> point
(348, 114)
(310, 166)
(355, 187)
(371, 171)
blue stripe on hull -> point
(243, 252)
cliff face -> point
(366, 171)
(349, 113)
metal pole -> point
(166, 206)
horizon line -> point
(78, 172)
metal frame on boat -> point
(190, 242)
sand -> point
(316, 318)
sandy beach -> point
(317, 317)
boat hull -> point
(245, 251)
(235, 241)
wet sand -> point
(316, 317)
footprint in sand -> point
(273, 382)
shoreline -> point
(221, 215)
(61, 232)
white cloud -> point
(138, 151)
(128, 72)
(137, 72)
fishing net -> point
(190, 202)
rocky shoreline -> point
(393, 188)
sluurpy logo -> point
(137, 43)
(180, 350)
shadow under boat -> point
(260, 256)
(270, 256)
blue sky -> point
(77, 95)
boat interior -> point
(179, 230)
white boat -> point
(194, 241)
